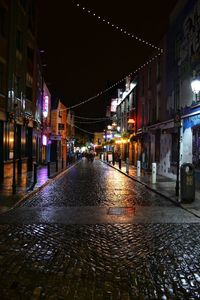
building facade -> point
(58, 131)
(17, 85)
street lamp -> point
(195, 85)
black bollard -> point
(62, 163)
(56, 165)
(120, 163)
(48, 168)
(35, 173)
(113, 159)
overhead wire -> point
(116, 83)
(117, 27)
(160, 51)
(89, 122)
(86, 131)
(90, 118)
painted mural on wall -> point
(164, 167)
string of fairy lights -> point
(116, 83)
(127, 34)
(89, 122)
(86, 131)
(93, 118)
(116, 27)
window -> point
(18, 87)
(23, 3)
(3, 22)
(23, 142)
(177, 49)
(1, 77)
(29, 93)
(31, 19)
(30, 53)
(19, 42)
(11, 140)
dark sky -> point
(84, 55)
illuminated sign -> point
(114, 103)
(45, 106)
(44, 140)
(131, 121)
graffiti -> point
(191, 121)
(190, 45)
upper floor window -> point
(19, 41)
(29, 93)
(31, 19)
(18, 86)
(1, 76)
(30, 53)
(177, 49)
(3, 22)
(23, 3)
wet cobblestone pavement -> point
(104, 259)
(95, 185)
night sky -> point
(84, 56)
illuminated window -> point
(11, 140)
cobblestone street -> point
(97, 234)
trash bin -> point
(187, 183)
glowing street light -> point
(195, 85)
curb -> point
(155, 191)
(143, 183)
(50, 180)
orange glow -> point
(131, 121)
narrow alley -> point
(94, 233)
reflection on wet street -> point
(96, 234)
(95, 185)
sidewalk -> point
(164, 186)
(25, 185)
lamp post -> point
(14, 151)
(195, 85)
(177, 122)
